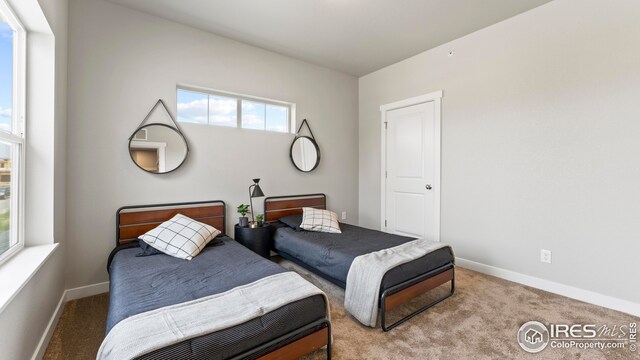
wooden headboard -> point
(276, 207)
(133, 221)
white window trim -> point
(18, 130)
(240, 97)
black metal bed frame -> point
(388, 292)
(259, 350)
(405, 284)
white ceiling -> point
(352, 36)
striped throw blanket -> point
(156, 329)
(366, 273)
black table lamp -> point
(257, 192)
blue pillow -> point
(147, 250)
(293, 221)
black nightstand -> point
(256, 239)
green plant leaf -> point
(243, 209)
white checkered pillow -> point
(320, 220)
(181, 237)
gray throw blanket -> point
(152, 330)
(366, 273)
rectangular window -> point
(12, 65)
(232, 110)
(277, 118)
(253, 114)
(223, 111)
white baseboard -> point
(48, 332)
(591, 297)
(67, 295)
(84, 291)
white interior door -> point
(411, 204)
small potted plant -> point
(260, 219)
(243, 210)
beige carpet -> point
(479, 322)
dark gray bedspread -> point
(140, 284)
(332, 254)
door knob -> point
(428, 186)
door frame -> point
(160, 147)
(436, 97)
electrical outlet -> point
(545, 256)
(344, 215)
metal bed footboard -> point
(258, 351)
(390, 291)
(406, 284)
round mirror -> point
(305, 153)
(158, 148)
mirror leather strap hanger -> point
(304, 122)
(175, 124)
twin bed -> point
(331, 255)
(141, 285)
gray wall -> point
(122, 61)
(540, 142)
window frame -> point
(239, 99)
(17, 135)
